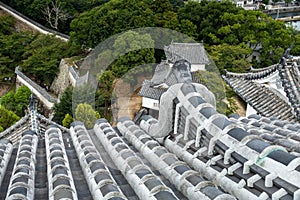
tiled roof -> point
(192, 52)
(150, 92)
(201, 154)
(161, 73)
(249, 88)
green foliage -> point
(86, 114)
(6, 24)
(92, 27)
(129, 50)
(69, 9)
(43, 56)
(225, 24)
(177, 3)
(206, 16)
(17, 101)
(66, 122)
(21, 99)
(296, 47)
(7, 118)
(64, 106)
(8, 100)
(105, 91)
(231, 57)
(13, 47)
(231, 103)
(84, 93)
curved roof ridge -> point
(253, 75)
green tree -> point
(206, 15)
(86, 114)
(6, 24)
(93, 27)
(63, 10)
(67, 120)
(231, 57)
(129, 50)
(8, 100)
(17, 101)
(13, 46)
(64, 106)
(21, 100)
(105, 91)
(177, 3)
(7, 118)
(43, 56)
(296, 45)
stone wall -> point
(61, 82)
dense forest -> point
(230, 34)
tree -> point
(105, 91)
(116, 16)
(231, 57)
(7, 118)
(177, 3)
(35, 10)
(86, 114)
(6, 24)
(13, 46)
(206, 15)
(129, 50)
(8, 100)
(21, 99)
(67, 120)
(55, 13)
(64, 106)
(17, 101)
(43, 56)
(296, 45)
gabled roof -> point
(150, 92)
(161, 73)
(192, 52)
(205, 155)
(268, 101)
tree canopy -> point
(7, 118)
(86, 114)
(64, 106)
(17, 101)
(43, 55)
(49, 12)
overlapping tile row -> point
(22, 181)
(60, 180)
(98, 177)
(6, 149)
(289, 74)
(187, 180)
(43, 120)
(145, 183)
(14, 132)
(264, 100)
(202, 135)
(254, 74)
(274, 131)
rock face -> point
(61, 82)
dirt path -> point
(241, 107)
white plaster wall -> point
(150, 103)
(250, 110)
